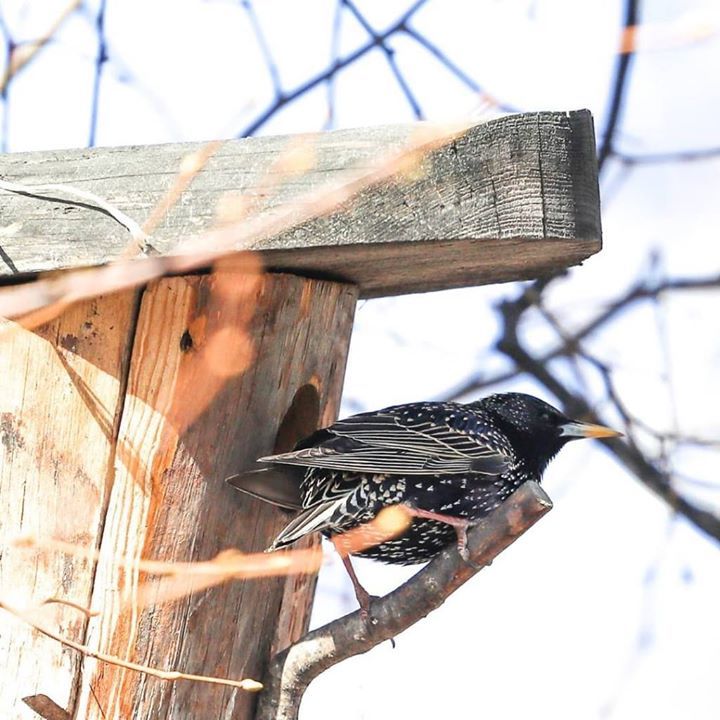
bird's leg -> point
(460, 526)
(363, 596)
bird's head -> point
(536, 429)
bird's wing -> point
(416, 440)
(316, 518)
(325, 495)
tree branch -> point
(642, 290)
(617, 96)
(292, 670)
(627, 453)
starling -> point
(449, 464)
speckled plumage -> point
(457, 460)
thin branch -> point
(245, 684)
(328, 73)
(456, 70)
(390, 57)
(629, 455)
(334, 55)
(25, 52)
(210, 246)
(191, 166)
(87, 612)
(643, 290)
(270, 63)
(87, 199)
(624, 61)
(228, 564)
(673, 156)
(173, 580)
(100, 60)
(292, 670)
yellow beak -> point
(576, 429)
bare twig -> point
(87, 612)
(88, 199)
(24, 53)
(55, 293)
(192, 165)
(229, 563)
(694, 155)
(617, 95)
(174, 580)
(292, 670)
(245, 684)
(627, 453)
(643, 290)
(282, 99)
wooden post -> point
(196, 408)
(60, 403)
(120, 419)
(195, 411)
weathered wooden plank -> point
(508, 199)
(217, 361)
(60, 397)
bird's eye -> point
(546, 417)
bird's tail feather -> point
(313, 519)
(277, 485)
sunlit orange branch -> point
(228, 563)
(681, 32)
(179, 579)
(207, 248)
(87, 612)
(191, 166)
(389, 523)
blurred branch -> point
(338, 64)
(44, 298)
(292, 670)
(642, 290)
(100, 59)
(668, 157)
(334, 57)
(458, 72)
(270, 63)
(624, 61)
(382, 43)
(23, 53)
(627, 453)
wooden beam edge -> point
(452, 264)
(457, 244)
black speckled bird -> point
(450, 464)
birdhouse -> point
(141, 368)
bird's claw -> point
(465, 555)
(365, 616)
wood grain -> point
(511, 198)
(216, 364)
(60, 397)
